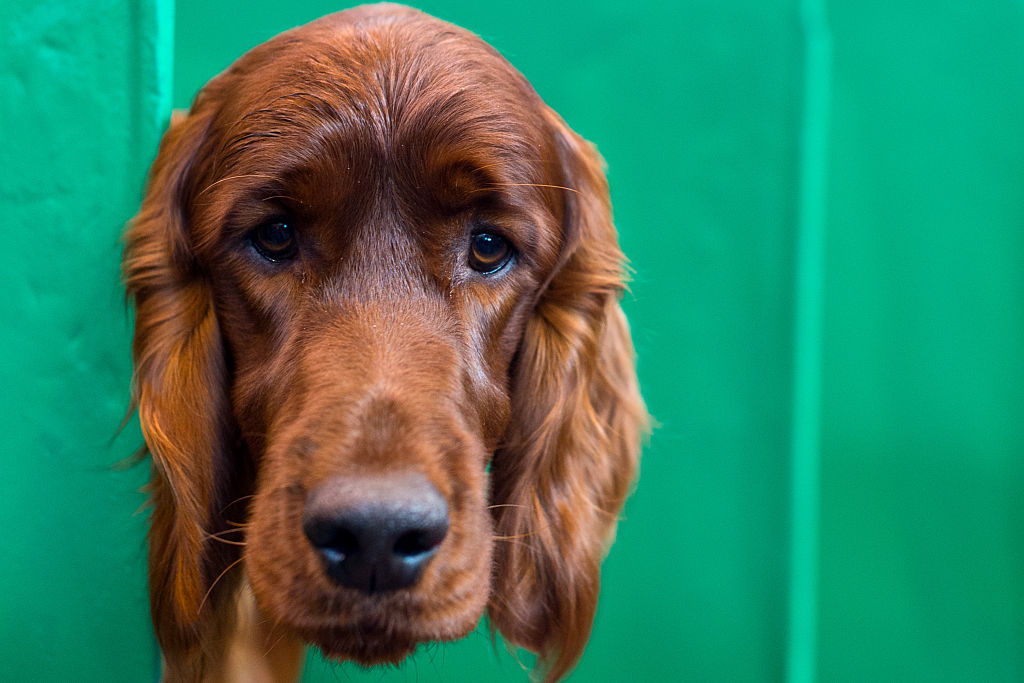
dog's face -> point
(377, 225)
(384, 276)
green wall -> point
(922, 550)
(82, 107)
(824, 206)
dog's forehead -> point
(380, 81)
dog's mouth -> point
(383, 628)
(364, 644)
(371, 643)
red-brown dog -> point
(381, 366)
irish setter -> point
(380, 363)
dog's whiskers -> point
(514, 537)
(225, 541)
(277, 642)
(216, 581)
(236, 500)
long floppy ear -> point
(571, 451)
(179, 390)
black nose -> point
(376, 534)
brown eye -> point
(275, 240)
(488, 253)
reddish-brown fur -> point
(384, 136)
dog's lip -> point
(387, 615)
(368, 643)
(376, 638)
(418, 630)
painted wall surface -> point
(823, 205)
(922, 487)
(81, 111)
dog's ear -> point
(179, 388)
(570, 453)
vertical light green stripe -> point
(154, 22)
(809, 301)
(165, 59)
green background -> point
(824, 206)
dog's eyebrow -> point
(241, 176)
(282, 196)
(552, 187)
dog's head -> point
(381, 366)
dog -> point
(381, 367)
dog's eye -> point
(488, 253)
(275, 240)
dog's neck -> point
(258, 651)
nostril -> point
(345, 542)
(328, 534)
(412, 544)
(341, 546)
